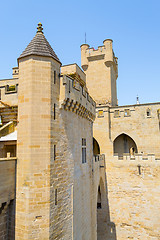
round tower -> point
(109, 51)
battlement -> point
(74, 71)
(102, 52)
(98, 162)
(101, 69)
(74, 97)
(15, 72)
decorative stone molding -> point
(76, 99)
(74, 106)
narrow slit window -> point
(54, 152)
(69, 86)
(56, 199)
(84, 150)
(139, 169)
(54, 77)
(0, 94)
(54, 111)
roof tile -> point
(39, 46)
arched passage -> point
(105, 228)
(101, 210)
(96, 147)
(124, 144)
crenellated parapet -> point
(104, 52)
(101, 68)
(75, 98)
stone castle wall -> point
(9, 92)
(76, 113)
(133, 193)
(143, 129)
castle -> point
(73, 164)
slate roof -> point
(39, 46)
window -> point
(2, 207)
(116, 113)
(126, 112)
(100, 113)
(139, 169)
(0, 94)
(69, 86)
(83, 150)
(54, 152)
(56, 200)
(10, 89)
(54, 111)
(148, 112)
(54, 77)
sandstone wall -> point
(133, 198)
(132, 195)
(76, 111)
(9, 91)
(37, 171)
(143, 129)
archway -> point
(101, 211)
(124, 144)
(96, 147)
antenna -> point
(85, 37)
(137, 98)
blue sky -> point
(134, 27)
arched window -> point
(124, 144)
(96, 148)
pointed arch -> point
(123, 143)
(96, 147)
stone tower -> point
(101, 70)
(39, 69)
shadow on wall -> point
(106, 229)
(124, 144)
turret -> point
(109, 51)
(84, 60)
(101, 69)
(38, 99)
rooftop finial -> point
(40, 28)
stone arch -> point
(123, 143)
(96, 147)
(101, 207)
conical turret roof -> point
(39, 46)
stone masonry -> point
(73, 164)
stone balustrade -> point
(139, 157)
